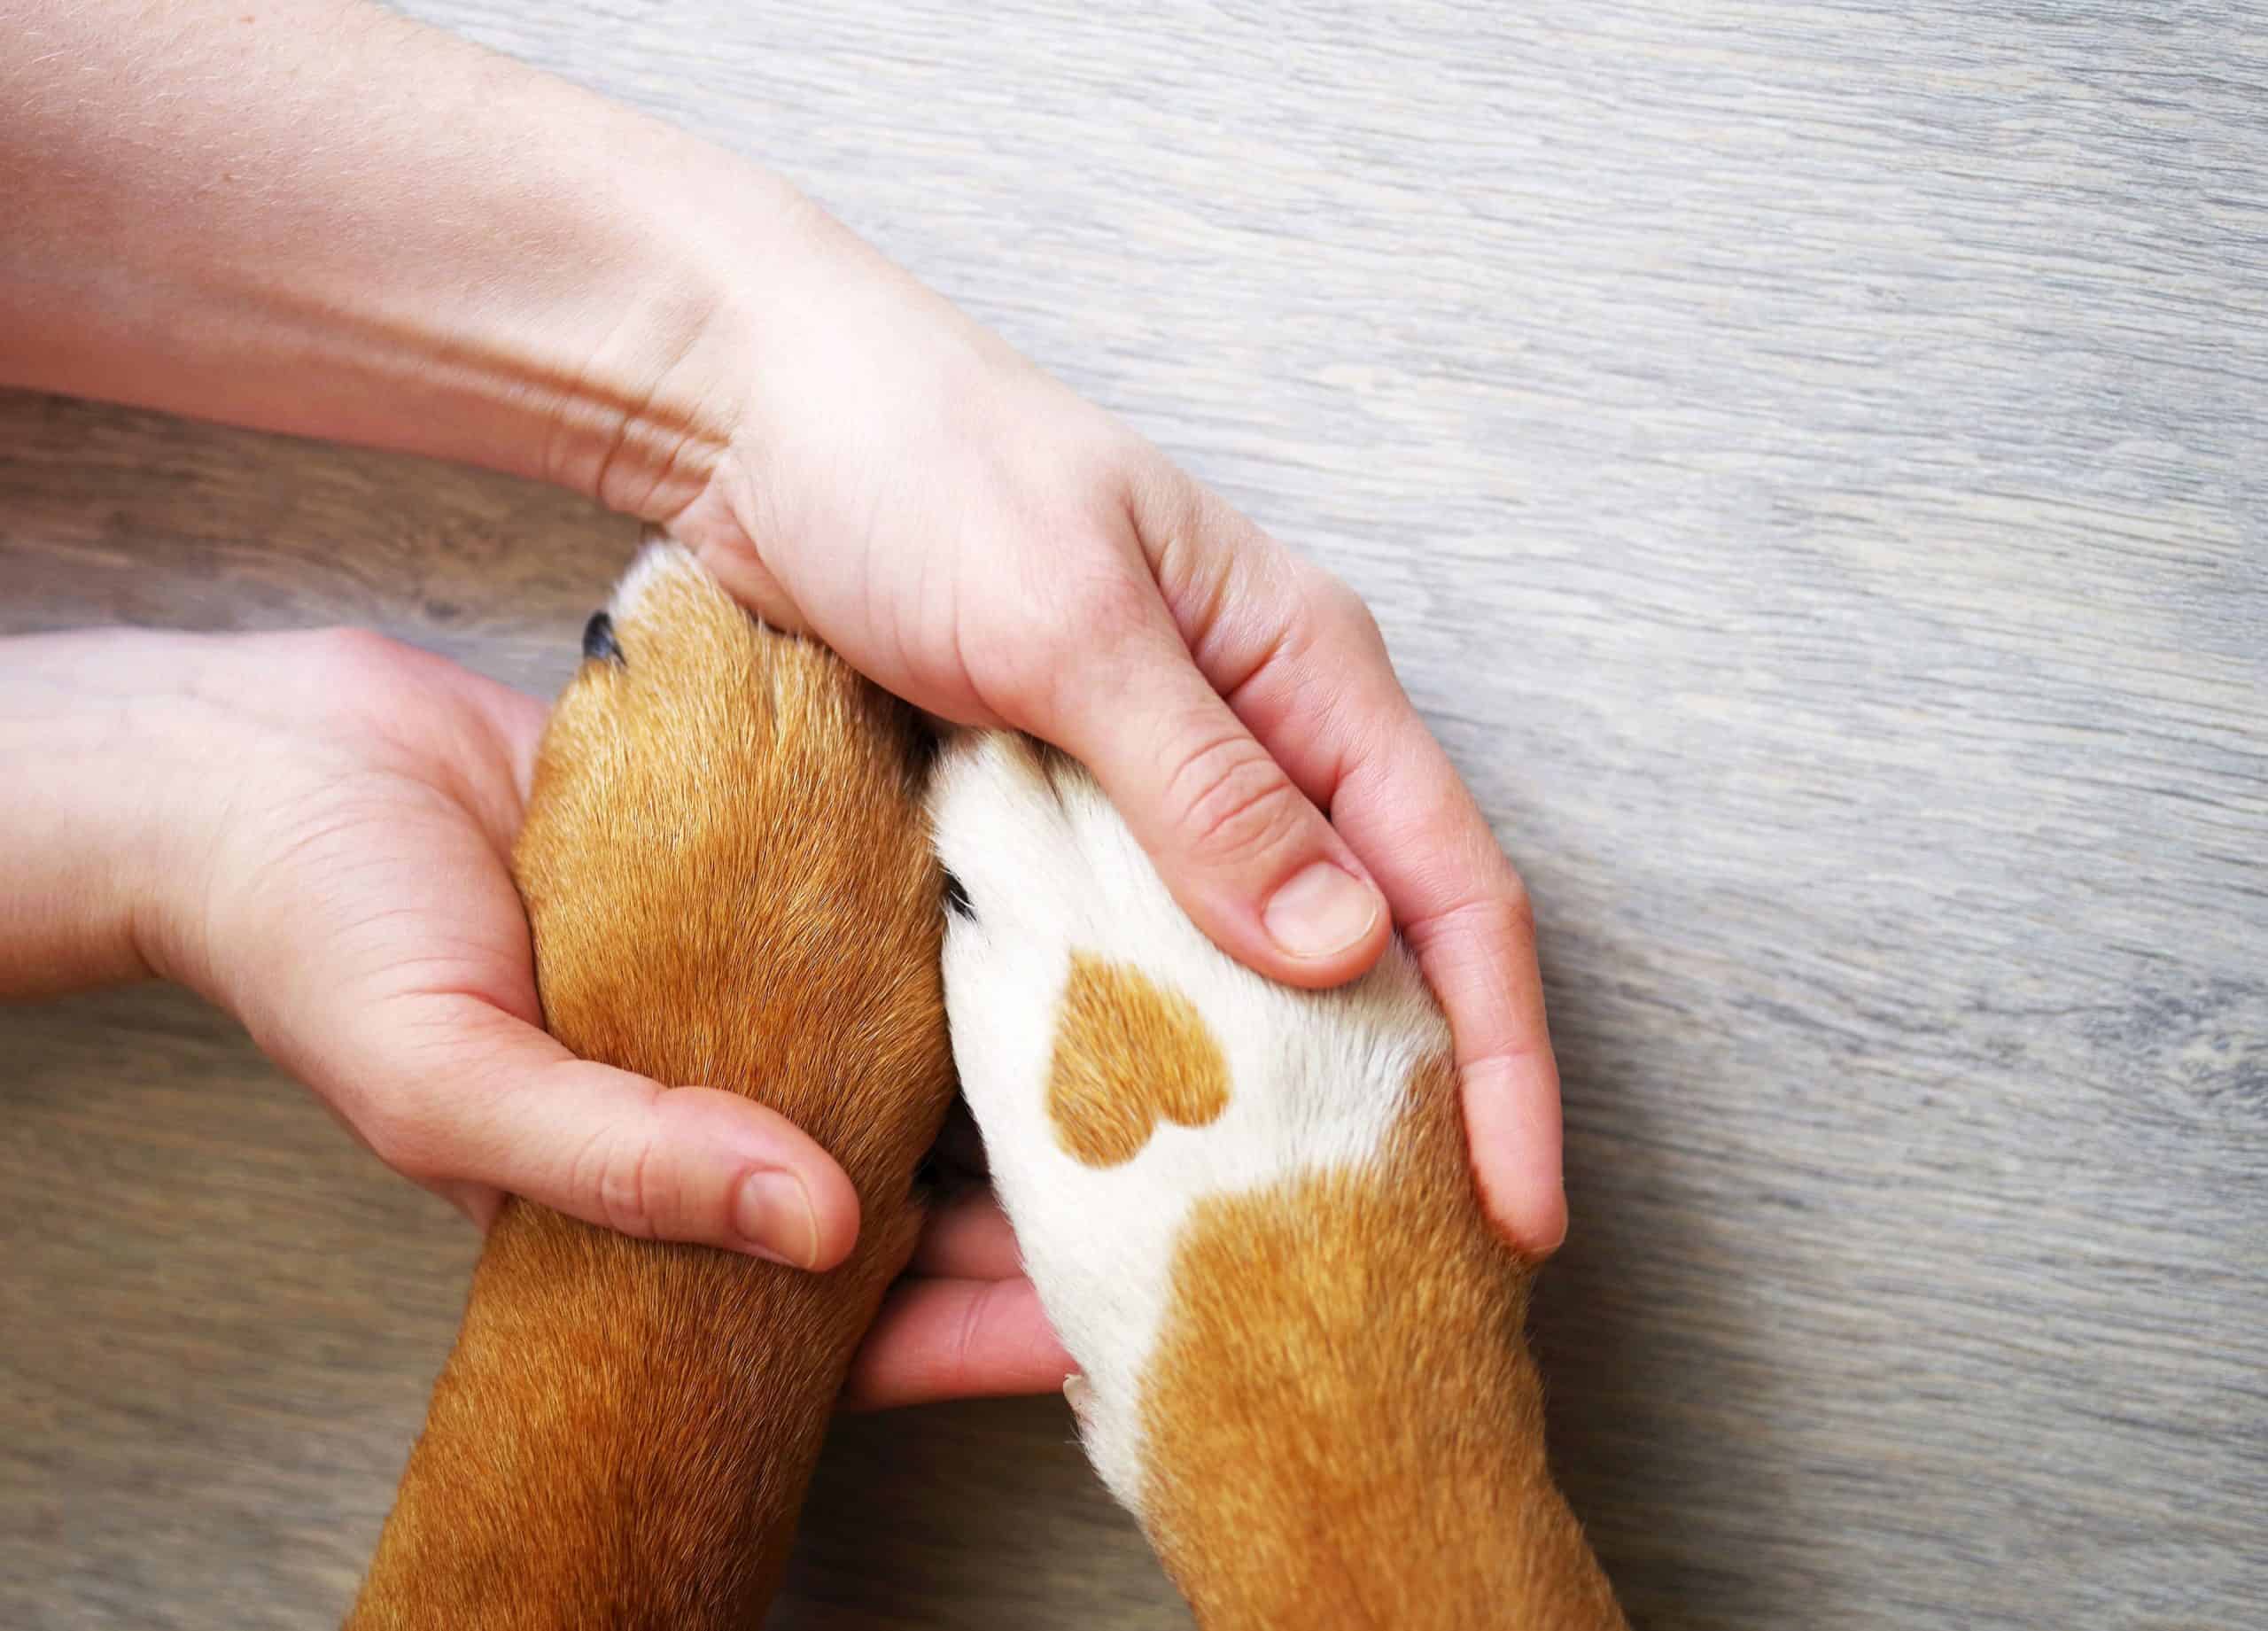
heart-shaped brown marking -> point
(1129, 1053)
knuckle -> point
(1504, 917)
(615, 1173)
(1166, 507)
(405, 1141)
(1103, 608)
(626, 1184)
(1517, 909)
(1340, 609)
(1104, 605)
(1232, 804)
(346, 666)
(355, 652)
(1505, 914)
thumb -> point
(513, 1109)
(1254, 863)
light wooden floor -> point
(1809, 461)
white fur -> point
(657, 557)
(1315, 1078)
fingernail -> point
(1320, 913)
(774, 1216)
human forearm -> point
(317, 217)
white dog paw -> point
(1125, 1071)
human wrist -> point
(728, 254)
(101, 847)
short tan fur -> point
(1345, 1427)
(727, 870)
(1129, 1053)
(1301, 1345)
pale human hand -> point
(975, 536)
(313, 830)
(470, 259)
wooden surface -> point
(1808, 461)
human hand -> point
(491, 264)
(976, 537)
(313, 830)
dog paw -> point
(1128, 1075)
(726, 865)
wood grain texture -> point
(1808, 462)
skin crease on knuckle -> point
(1232, 806)
(1346, 615)
(1099, 623)
(403, 1136)
(624, 1188)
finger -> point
(1463, 912)
(937, 1339)
(968, 1238)
(1303, 665)
(478, 1095)
(1247, 855)
(1398, 801)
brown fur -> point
(1343, 1424)
(727, 867)
(1129, 1054)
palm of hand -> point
(362, 898)
(357, 894)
